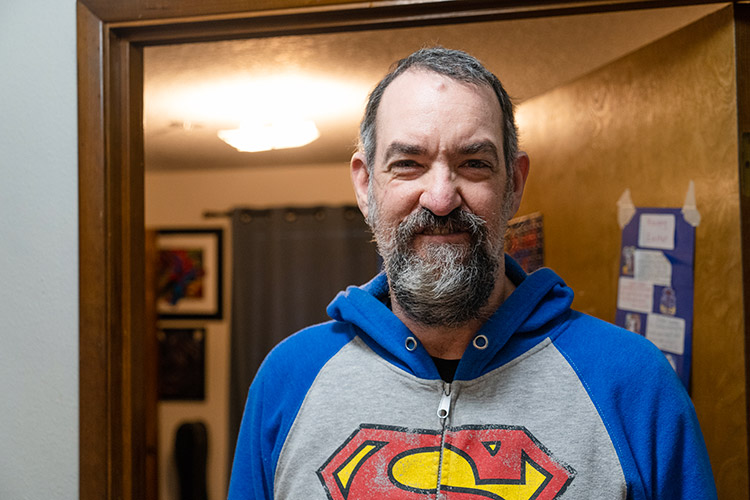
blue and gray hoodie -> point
(547, 403)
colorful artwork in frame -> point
(189, 274)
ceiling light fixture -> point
(252, 137)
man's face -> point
(438, 198)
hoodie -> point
(546, 403)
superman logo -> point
(471, 462)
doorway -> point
(193, 90)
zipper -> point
(443, 412)
(444, 408)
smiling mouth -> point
(440, 231)
(441, 235)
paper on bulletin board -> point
(655, 289)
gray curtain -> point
(288, 264)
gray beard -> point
(451, 283)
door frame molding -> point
(111, 35)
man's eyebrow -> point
(480, 147)
(401, 148)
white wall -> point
(38, 251)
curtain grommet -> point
(480, 342)
(410, 344)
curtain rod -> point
(208, 214)
(214, 214)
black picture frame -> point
(182, 363)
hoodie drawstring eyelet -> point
(411, 344)
(481, 342)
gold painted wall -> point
(652, 122)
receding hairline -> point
(426, 70)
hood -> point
(539, 301)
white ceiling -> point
(193, 90)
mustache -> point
(456, 221)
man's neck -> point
(451, 342)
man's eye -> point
(477, 164)
(404, 164)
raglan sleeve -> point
(668, 444)
(252, 468)
(274, 399)
(648, 413)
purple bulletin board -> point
(655, 288)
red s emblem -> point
(476, 462)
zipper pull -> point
(445, 403)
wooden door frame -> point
(742, 69)
(111, 35)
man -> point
(454, 374)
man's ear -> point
(360, 180)
(520, 174)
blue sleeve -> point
(252, 469)
(645, 408)
(273, 401)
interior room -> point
(638, 100)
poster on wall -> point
(182, 362)
(655, 287)
(524, 241)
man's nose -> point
(440, 195)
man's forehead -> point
(418, 93)
(416, 79)
(420, 90)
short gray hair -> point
(454, 64)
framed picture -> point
(182, 362)
(524, 241)
(189, 274)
